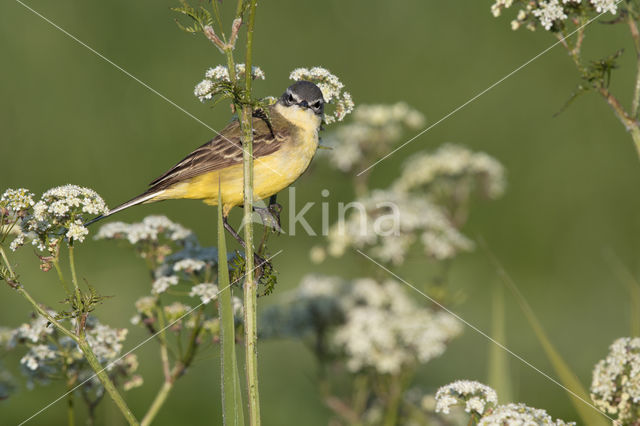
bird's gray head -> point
(305, 94)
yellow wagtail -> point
(283, 146)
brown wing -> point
(222, 151)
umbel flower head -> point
(369, 326)
(14, 206)
(520, 414)
(553, 15)
(59, 215)
(481, 401)
(615, 388)
(452, 169)
(476, 397)
(52, 355)
(218, 82)
(374, 130)
(154, 238)
(390, 222)
(332, 91)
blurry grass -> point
(575, 390)
(498, 358)
(232, 409)
(633, 287)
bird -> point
(285, 140)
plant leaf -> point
(232, 408)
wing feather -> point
(222, 152)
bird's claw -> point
(270, 216)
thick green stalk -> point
(106, 381)
(250, 285)
(232, 409)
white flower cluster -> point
(207, 88)
(384, 330)
(332, 91)
(520, 414)
(37, 356)
(17, 200)
(481, 400)
(189, 265)
(51, 355)
(548, 12)
(160, 285)
(477, 397)
(370, 325)
(372, 133)
(389, 222)
(105, 342)
(615, 387)
(145, 309)
(176, 311)
(443, 172)
(552, 14)
(151, 229)
(59, 214)
(205, 291)
(33, 331)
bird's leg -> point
(270, 215)
(275, 208)
(259, 261)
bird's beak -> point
(304, 104)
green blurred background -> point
(67, 116)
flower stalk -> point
(250, 283)
(79, 339)
(175, 373)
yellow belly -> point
(271, 174)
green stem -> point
(86, 350)
(629, 122)
(157, 403)
(7, 263)
(635, 135)
(56, 265)
(106, 381)
(74, 277)
(250, 285)
(393, 402)
(633, 27)
(176, 372)
(70, 415)
(164, 354)
(82, 344)
(24, 293)
(82, 317)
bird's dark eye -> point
(316, 104)
(290, 98)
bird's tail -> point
(142, 198)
